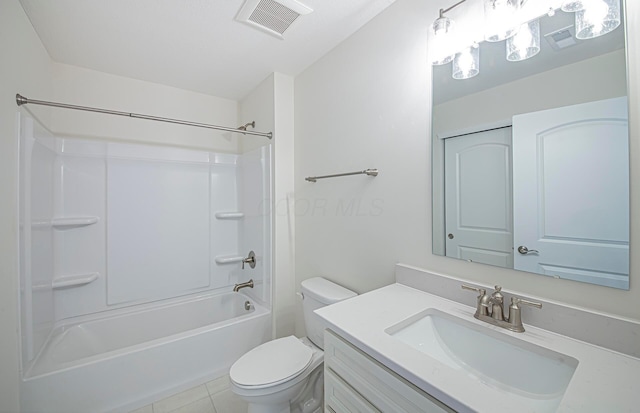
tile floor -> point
(211, 397)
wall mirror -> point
(530, 159)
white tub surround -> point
(122, 297)
(603, 380)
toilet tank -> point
(318, 292)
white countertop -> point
(604, 380)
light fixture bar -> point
(499, 18)
(443, 11)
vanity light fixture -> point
(467, 63)
(442, 29)
(525, 43)
(499, 17)
(598, 17)
(572, 5)
(443, 32)
(503, 19)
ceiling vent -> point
(563, 38)
(272, 16)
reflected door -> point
(571, 199)
(478, 197)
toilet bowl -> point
(272, 375)
(285, 375)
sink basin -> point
(498, 359)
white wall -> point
(258, 107)
(366, 104)
(79, 86)
(26, 69)
(270, 104)
(284, 222)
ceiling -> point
(191, 44)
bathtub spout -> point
(243, 285)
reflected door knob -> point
(524, 250)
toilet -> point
(285, 375)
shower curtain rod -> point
(21, 100)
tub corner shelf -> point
(229, 259)
(230, 215)
(74, 280)
(73, 222)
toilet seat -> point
(271, 363)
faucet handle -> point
(518, 300)
(480, 291)
(482, 307)
(515, 317)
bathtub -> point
(131, 357)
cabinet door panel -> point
(373, 382)
(341, 398)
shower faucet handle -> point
(251, 260)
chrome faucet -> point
(491, 309)
(243, 285)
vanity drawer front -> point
(342, 398)
(381, 387)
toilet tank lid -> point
(325, 291)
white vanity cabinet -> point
(356, 383)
